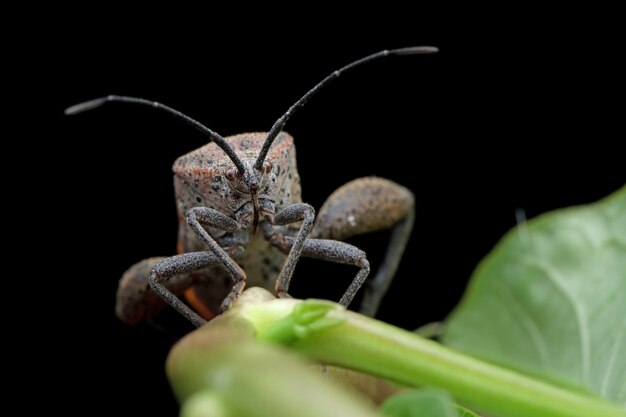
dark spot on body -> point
(289, 176)
(198, 199)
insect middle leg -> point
(169, 277)
(184, 264)
(151, 284)
(135, 301)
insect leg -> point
(292, 214)
(174, 266)
(367, 205)
(331, 251)
(135, 301)
(198, 216)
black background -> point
(511, 114)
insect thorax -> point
(200, 180)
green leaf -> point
(550, 299)
(420, 403)
(464, 412)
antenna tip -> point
(85, 106)
(413, 50)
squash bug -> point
(241, 219)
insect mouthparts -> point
(255, 206)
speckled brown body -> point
(230, 188)
(200, 175)
(200, 180)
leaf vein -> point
(581, 320)
(609, 366)
(529, 325)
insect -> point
(242, 221)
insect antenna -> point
(215, 137)
(280, 123)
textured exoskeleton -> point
(201, 180)
(242, 222)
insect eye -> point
(233, 174)
(267, 167)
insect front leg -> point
(291, 214)
(367, 205)
(198, 216)
(188, 263)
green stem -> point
(332, 335)
(221, 370)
